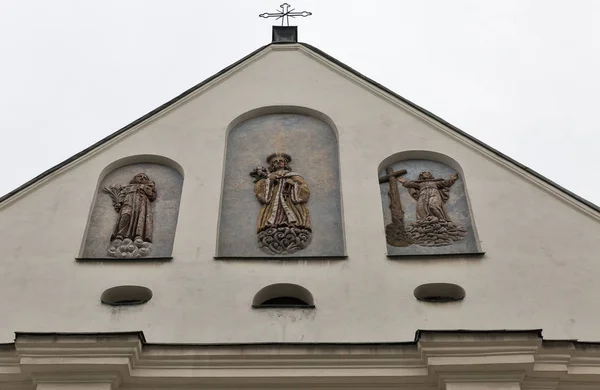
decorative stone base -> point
(432, 231)
(128, 249)
(396, 236)
(283, 240)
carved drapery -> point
(132, 236)
(428, 209)
(283, 224)
(135, 211)
(284, 212)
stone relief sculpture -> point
(433, 226)
(317, 204)
(395, 232)
(132, 236)
(283, 225)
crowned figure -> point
(283, 224)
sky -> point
(520, 75)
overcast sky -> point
(522, 76)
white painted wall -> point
(541, 270)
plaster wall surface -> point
(541, 267)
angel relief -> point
(132, 236)
(283, 225)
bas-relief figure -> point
(134, 213)
(283, 224)
(286, 212)
(432, 225)
(132, 236)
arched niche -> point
(425, 205)
(283, 295)
(135, 210)
(311, 224)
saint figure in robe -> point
(430, 194)
(132, 235)
(283, 224)
(433, 226)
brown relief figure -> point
(132, 236)
(283, 225)
(433, 227)
(395, 233)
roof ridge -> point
(347, 68)
(453, 128)
(127, 127)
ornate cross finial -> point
(285, 14)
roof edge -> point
(122, 130)
(422, 110)
(347, 68)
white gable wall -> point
(540, 269)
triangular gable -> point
(320, 54)
(133, 124)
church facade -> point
(329, 234)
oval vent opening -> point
(283, 295)
(126, 295)
(439, 292)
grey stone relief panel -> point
(165, 210)
(456, 208)
(313, 146)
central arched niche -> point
(313, 178)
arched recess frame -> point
(299, 294)
(126, 295)
(224, 251)
(167, 176)
(403, 239)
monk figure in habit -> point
(433, 226)
(132, 235)
(430, 194)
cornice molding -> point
(432, 361)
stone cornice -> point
(434, 360)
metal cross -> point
(285, 14)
